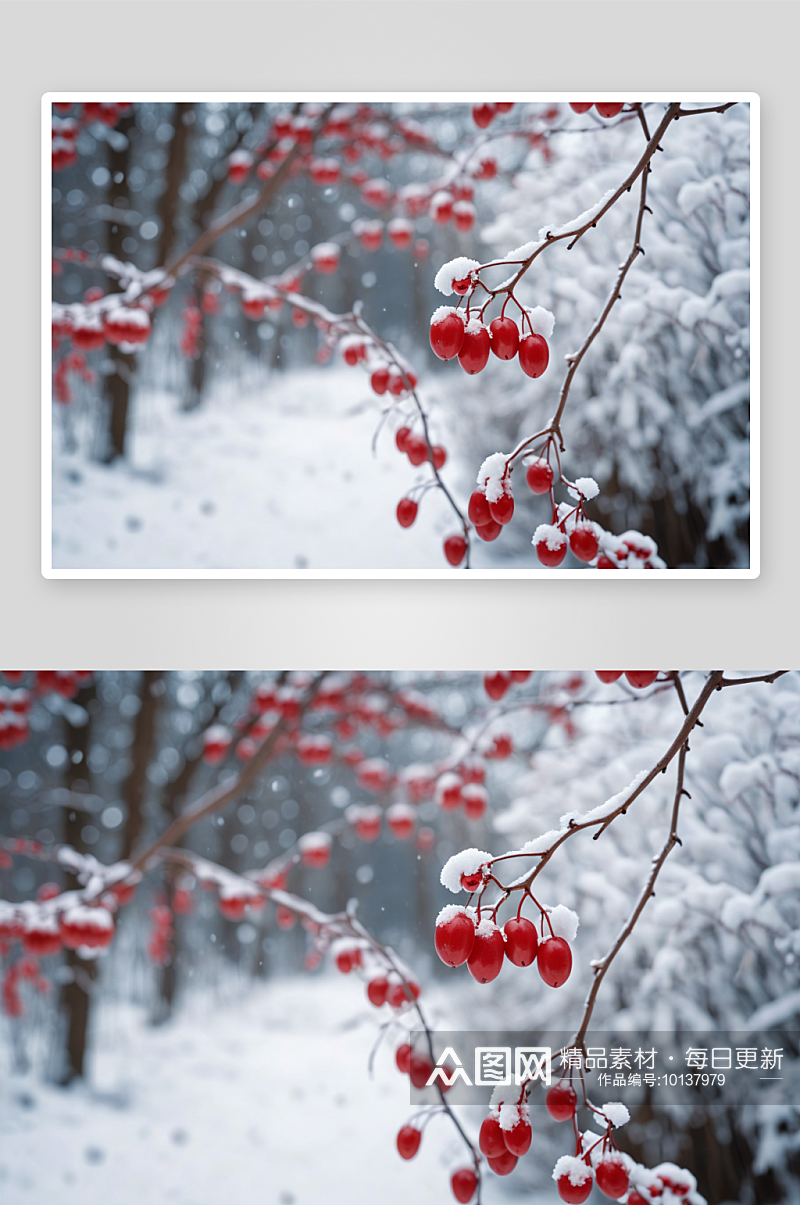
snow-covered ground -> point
(280, 479)
(266, 1098)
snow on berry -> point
(466, 862)
(490, 476)
(585, 487)
(454, 269)
(542, 321)
(616, 1113)
(315, 848)
(564, 921)
(575, 1170)
(84, 926)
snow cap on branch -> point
(605, 809)
(585, 487)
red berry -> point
(518, 1140)
(455, 549)
(489, 531)
(416, 449)
(581, 106)
(520, 675)
(401, 437)
(454, 939)
(505, 338)
(612, 1177)
(497, 684)
(503, 1164)
(636, 1198)
(475, 348)
(377, 989)
(478, 509)
(284, 917)
(402, 1057)
(574, 1194)
(486, 960)
(641, 678)
(522, 942)
(420, 1070)
(555, 961)
(464, 1183)
(406, 511)
(464, 214)
(483, 115)
(490, 1138)
(561, 1102)
(608, 675)
(380, 380)
(462, 286)
(502, 511)
(551, 545)
(605, 562)
(475, 799)
(408, 1140)
(539, 476)
(504, 106)
(583, 542)
(609, 108)
(439, 456)
(447, 334)
(471, 882)
(534, 355)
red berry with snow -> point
(486, 960)
(539, 476)
(522, 941)
(475, 799)
(583, 541)
(641, 678)
(471, 882)
(534, 355)
(408, 1140)
(505, 338)
(554, 961)
(402, 820)
(581, 106)
(573, 1194)
(561, 1101)
(464, 1184)
(455, 549)
(406, 511)
(612, 1177)
(550, 544)
(462, 286)
(447, 333)
(455, 936)
(608, 675)
(475, 348)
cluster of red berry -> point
(461, 333)
(66, 129)
(464, 936)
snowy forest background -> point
(204, 1052)
(223, 444)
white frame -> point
(537, 574)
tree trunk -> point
(76, 993)
(142, 750)
(118, 383)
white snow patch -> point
(542, 321)
(573, 1168)
(616, 1113)
(454, 269)
(467, 861)
(607, 808)
(585, 487)
(490, 476)
(550, 536)
(565, 922)
(581, 220)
